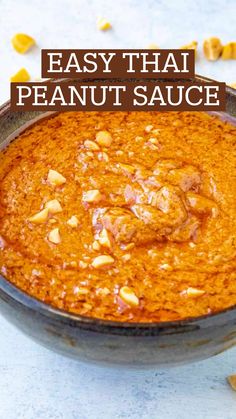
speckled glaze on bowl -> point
(106, 342)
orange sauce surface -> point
(142, 225)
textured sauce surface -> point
(156, 200)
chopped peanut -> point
(104, 239)
(73, 264)
(119, 153)
(226, 52)
(101, 261)
(194, 292)
(40, 217)
(102, 291)
(81, 291)
(22, 42)
(104, 138)
(128, 296)
(212, 48)
(129, 246)
(234, 51)
(55, 178)
(53, 206)
(138, 139)
(153, 146)
(126, 257)
(83, 264)
(232, 381)
(21, 76)
(96, 245)
(87, 306)
(127, 168)
(103, 24)
(156, 131)
(152, 46)
(166, 267)
(92, 196)
(229, 51)
(54, 236)
(148, 128)
(52, 221)
(73, 221)
(90, 154)
(91, 145)
(154, 140)
(103, 156)
(193, 45)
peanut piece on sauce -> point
(87, 306)
(154, 140)
(96, 245)
(128, 246)
(55, 178)
(126, 257)
(127, 168)
(91, 145)
(148, 128)
(73, 264)
(53, 206)
(102, 291)
(82, 264)
(81, 291)
(104, 138)
(40, 217)
(194, 292)
(128, 296)
(92, 196)
(156, 131)
(90, 154)
(73, 221)
(154, 143)
(54, 236)
(101, 261)
(104, 239)
(166, 267)
(102, 156)
(52, 221)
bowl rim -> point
(13, 294)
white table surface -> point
(34, 382)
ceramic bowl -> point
(106, 342)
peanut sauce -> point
(126, 216)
